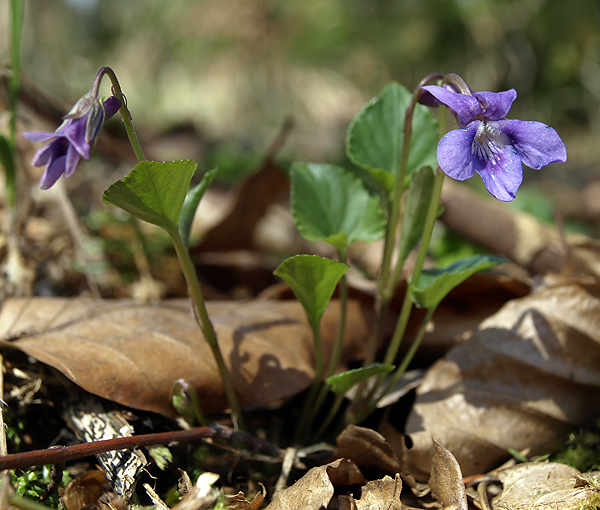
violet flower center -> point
(489, 142)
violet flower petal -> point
(74, 131)
(50, 151)
(72, 161)
(537, 144)
(39, 136)
(52, 172)
(464, 107)
(111, 106)
(454, 152)
(501, 174)
(496, 105)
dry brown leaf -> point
(446, 480)
(85, 490)
(366, 448)
(315, 489)
(547, 486)
(527, 376)
(132, 353)
(381, 494)
(239, 502)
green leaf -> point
(154, 192)
(415, 212)
(341, 383)
(313, 280)
(331, 204)
(191, 203)
(376, 133)
(435, 284)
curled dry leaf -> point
(545, 486)
(446, 479)
(525, 379)
(315, 489)
(366, 448)
(131, 353)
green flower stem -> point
(25, 503)
(124, 111)
(308, 414)
(337, 350)
(197, 297)
(335, 407)
(399, 372)
(387, 285)
(432, 213)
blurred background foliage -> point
(228, 72)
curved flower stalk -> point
(73, 139)
(489, 144)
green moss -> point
(582, 450)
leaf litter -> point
(132, 353)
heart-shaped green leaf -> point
(376, 133)
(191, 203)
(154, 192)
(331, 204)
(341, 383)
(313, 280)
(435, 284)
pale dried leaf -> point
(381, 494)
(132, 353)
(525, 379)
(446, 480)
(546, 486)
(239, 502)
(315, 489)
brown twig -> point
(57, 454)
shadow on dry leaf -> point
(527, 376)
(132, 353)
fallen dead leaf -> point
(132, 353)
(366, 448)
(446, 479)
(547, 486)
(316, 488)
(381, 494)
(525, 379)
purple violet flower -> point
(489, 144)
(72, 140)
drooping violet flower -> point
(73, 139)
(489, 144)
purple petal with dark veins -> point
(465, 107)
(537, 144)
(502, 173)
(454, 152)
(497, 104)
